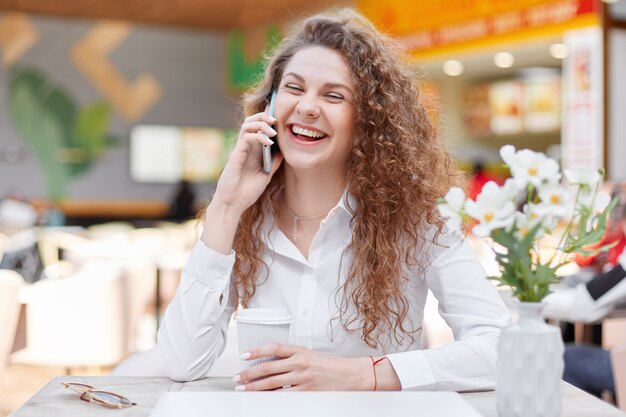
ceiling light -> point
(609, 1)
(453, 68)
(559, 50)
(504, 59)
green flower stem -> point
(567, 231)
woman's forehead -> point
(319, 65)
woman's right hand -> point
(243, 180)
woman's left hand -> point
(303, 369)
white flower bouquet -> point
(529, 206)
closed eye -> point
(335, 96)
(293, 87)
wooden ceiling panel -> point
(203, 14)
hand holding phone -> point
(267, 151)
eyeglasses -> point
(104, 398)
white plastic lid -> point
(263, 316)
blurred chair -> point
(10, 284)
(113, 248)
(22, 255)
(148, 363)
(167, 248)
(140, 272)
(186, 233)
(193, 230)
(4, 243)
(90, 318)
(169, 270)
(614, 329)
(77, 321)
(109, 230)
(148, 240)
(53, 240)
(614, 339)
(16, 214)
(618, 359)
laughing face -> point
(314, 111)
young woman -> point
(343, 232)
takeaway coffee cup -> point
(261, 326)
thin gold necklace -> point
(297, 219)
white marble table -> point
(54, 401)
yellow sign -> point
(17, 36)
(90, 55)
(434, 27)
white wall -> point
(617, 100)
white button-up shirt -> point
(193, 332)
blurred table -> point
(54, 400)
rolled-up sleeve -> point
(193, 332)
(471, 306)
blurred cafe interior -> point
(103, 171)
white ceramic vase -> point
(530, 366)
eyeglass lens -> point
(89, 394)
(107, 397)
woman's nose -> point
(308, 106)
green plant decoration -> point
(244, 73)
(65, 139)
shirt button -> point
(306, 312)
(223, 271)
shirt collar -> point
(346, 200)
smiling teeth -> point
(306, 132)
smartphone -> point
(267, 150)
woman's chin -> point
(302, 166)
(304, 163)
(325, 160)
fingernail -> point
(273, 119)
(245, 355)
(273, 131)
(236, 378)
(270, 141)
(240, 388)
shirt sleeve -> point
(194, 328)
(471, 306)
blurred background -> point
(117, 116)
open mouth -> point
(307, 135)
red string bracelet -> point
(374, 363)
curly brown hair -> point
(397, 170)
